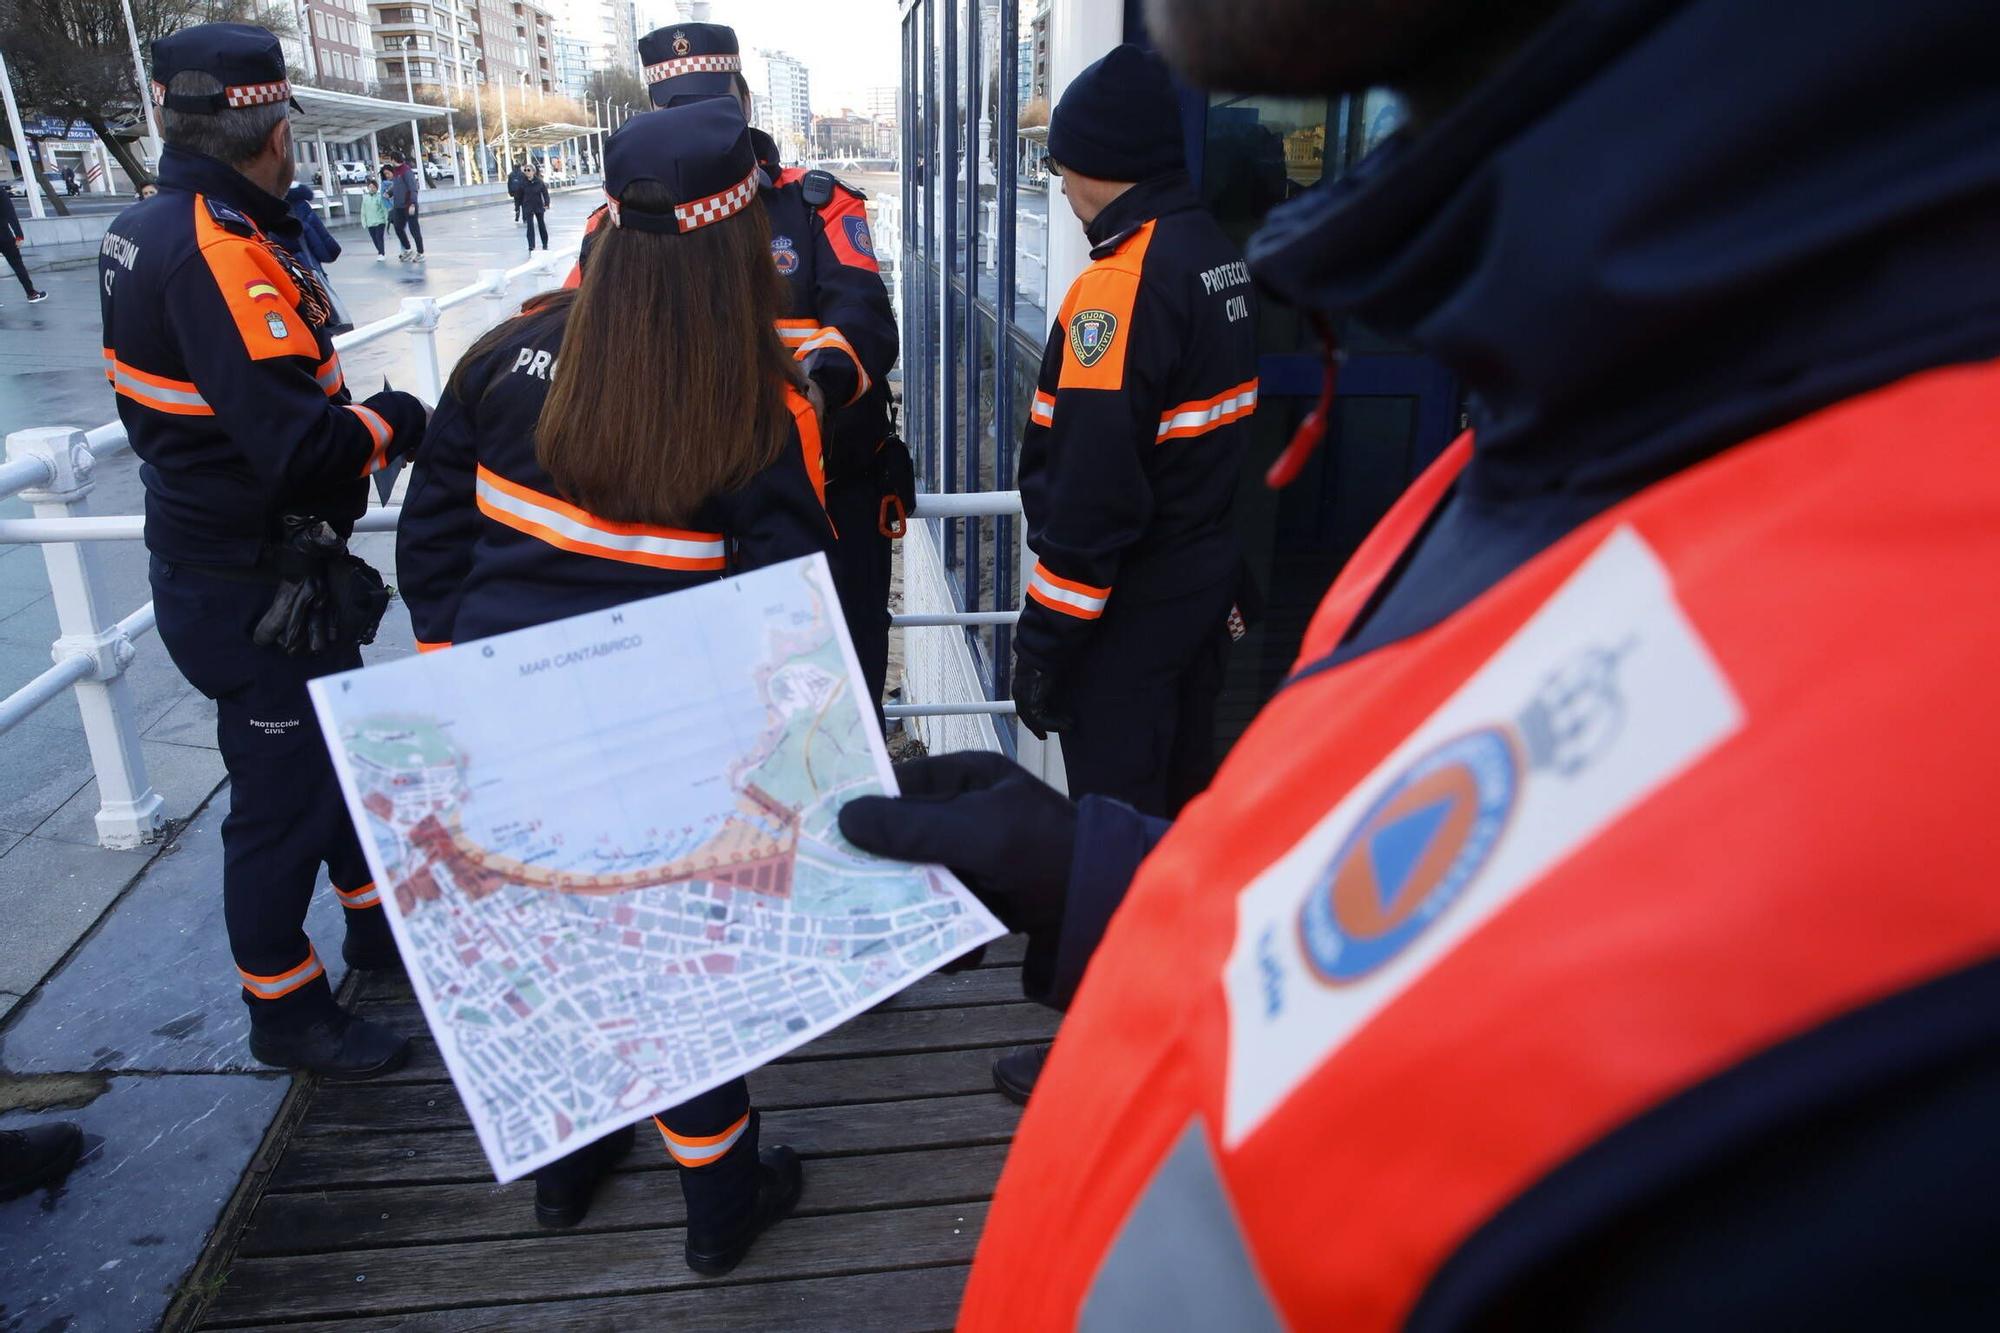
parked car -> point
(351, 173)
(437, 171)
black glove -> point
(407, 416)
(1006, 833)
(325, 595)
(896, 473)
(1034, 701)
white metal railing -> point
(50, 467)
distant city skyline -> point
(848, 47)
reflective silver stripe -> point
(365, 896)
(562, 524)
(1084, 603)
(1043, 410)
(701, 1154)
(1180, 1260)
(830, 337)
(1193, 421)
(271, 988)
(799, 334)
(329, 375)
(139, 388)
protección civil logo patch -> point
(1091, 333)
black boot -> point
(340, 1048)
(1015, 1072)
(563, 1188)
(713, 1249)
(37, 1156)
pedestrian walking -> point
(257, 459)
(670, 444)
(375, 217)
(11, 237)
(516, 179)
(533, 203)
(316, 246)
(404, 188)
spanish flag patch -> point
(261, 289)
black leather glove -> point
(896, 473)
(1007, 834)
(1034, 701)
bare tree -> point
(620, 87)
(73, 60)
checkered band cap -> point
(716, 207)
(242, 95)
(675, 68)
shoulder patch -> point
(1091, 333)
(858, 235)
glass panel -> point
(958, 16)
(1259, 152)
(988, 136)
(1032, 186)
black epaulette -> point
(228, 218)
(1110, 247)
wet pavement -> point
(117, 1008)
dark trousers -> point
(406, 225)
(377, 233)
(286, 817)
(860, 565)
(713, 1140)
(12, 249)
(1142, 697)
(535, 219)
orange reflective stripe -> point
(562, 524)
(807, 421)
(423, 647)
(1082, 600)
(700, 1150)
(330, 375)
(365, 896)
(796, 331)
(379, 432)
(829, 336)
(178, 397)
(1043, 410)
(1198, 418)
(271, 988)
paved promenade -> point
(115, 1002)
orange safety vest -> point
(1707, 773)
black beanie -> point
(1119, 120)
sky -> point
(848, 45)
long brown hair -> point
(670, 384)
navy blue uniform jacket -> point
(1139, 421)
(487, 544)
(216, 342)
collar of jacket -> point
(1669, 225)
(1149, 199)
(198, 173)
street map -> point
(607, 846)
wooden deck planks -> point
(921, 1298)
(381, 1211)
(569, 1266)
(633, 1198)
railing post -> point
(129, 810)
(424, 348)
(495, 281)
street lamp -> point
(410, 95)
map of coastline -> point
(613, 862)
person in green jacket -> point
(375, 217)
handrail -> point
(132, 527)
(51, 468)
